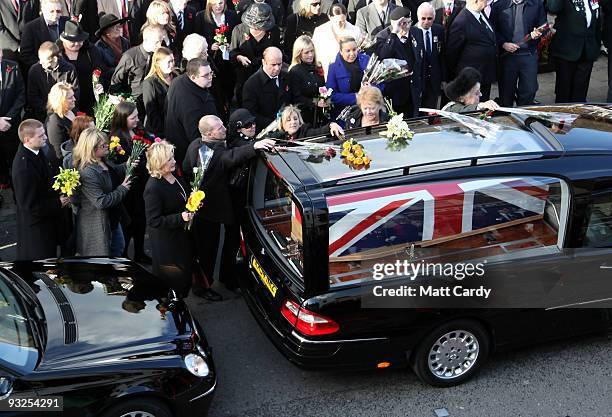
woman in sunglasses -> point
(303, 23)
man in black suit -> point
(14, 14)
(471, 43)
(184, 20)
(211, 152)
(38, 205)
(267, 91)
(45, 28)
(374, 17)
(430, 37)
(188, 100)
(398, 41)
(512, 20)
(12, 100)
(134, 66)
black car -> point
(103, 334)
(525, 196)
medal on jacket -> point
(414, 42)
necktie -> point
(275, 81)
(54, 32)
(483, 23)
(69, 5)
(427, 43)
(180, 20)
(16, 5)
(383, 17)
(124, 14)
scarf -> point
(115, 45)
(355, 74)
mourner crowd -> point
(204, 77)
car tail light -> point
(307, 322)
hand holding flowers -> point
(66, 182)
(194, 202)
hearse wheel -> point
(451, 354)
(138, 407)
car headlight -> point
(196, 365)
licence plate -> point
(263, 277)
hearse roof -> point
(444, 143)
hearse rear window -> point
(279, 214)
(434, 144)
(449, 221)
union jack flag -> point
(412, 213)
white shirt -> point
(175, 7)
(478, 14)
(120, 4)
(587, 12)
(424, 31)
(219, 22)
(32, 150)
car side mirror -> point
(6, 386)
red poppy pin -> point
(80, 113)
(247, 36)
(9, 69)
(320, 71)
(190, 16)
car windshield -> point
(17, 347)
(433, 144)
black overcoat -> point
(154, 92)
(263, 98)
(34, 34)
(304, 83)
(39, 212)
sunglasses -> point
(315, 4)
(426, 18)
(248, 125)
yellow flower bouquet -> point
(194, 202)
(67, 181)
(354, 155)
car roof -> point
(440, 143)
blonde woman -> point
(292, 127)
(102, 189)
(305, 78)
(160, 15)
(60, 103)
(304, 22)
(370, 109)
(165, 197)
(155, 89)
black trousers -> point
(207, 243)
(485, 90)
(518, 78)
(572, 81)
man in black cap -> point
(266, 91)
(45, 28)
(134, 66)
(398, 41)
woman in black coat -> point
(60, 104)
(305, 79)
(303, 23)
(292, 127)
(165, 198)
(111, 44)
(155, 89)
(216, 16)
(124, 125)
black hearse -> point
(529, 193)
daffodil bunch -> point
(67, 181)
(354, 156)
(398, 133)
(115, 148)
(194, 202)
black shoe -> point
(143, 259)
(536, 102)
(207, 294)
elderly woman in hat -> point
(112, 43)
(86, 58)
(250, 38)
(464, 93)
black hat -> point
(107, 21)
(240, 118)
(399, 12)
(258, 16)
(460, 86)
(73, 32)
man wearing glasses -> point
(430, 37)
(398, 41)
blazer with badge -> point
(13, 22)
(389, 45)
(263, 98)
(34, 34)
(368, 19)
(434, 67)
(572, 36)
(38, 206)
(12, 93)
(469, 44)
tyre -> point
(138, 407)
(451, 354)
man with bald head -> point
(209, 152)
(267, 91)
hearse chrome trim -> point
(320, 342)
(211, 389)
(579, 304)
